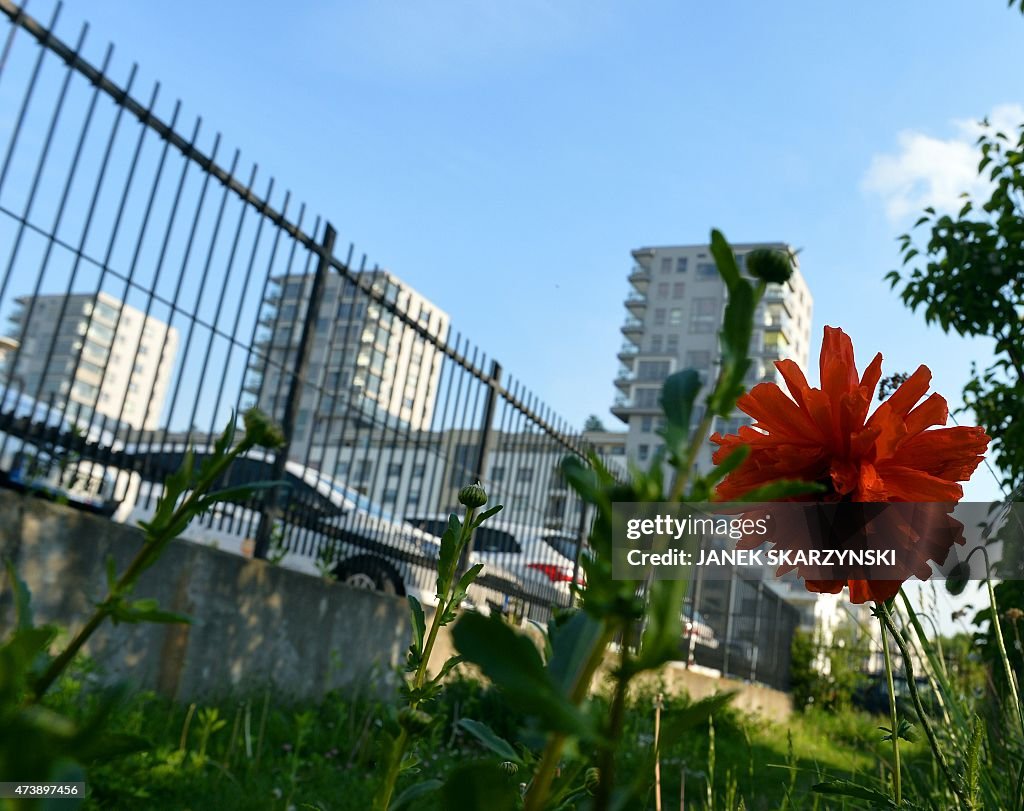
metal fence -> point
(154, 285)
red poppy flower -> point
(825, 435)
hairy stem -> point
(540, 786)
(896, 779)
(886, 618)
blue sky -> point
(504, 158)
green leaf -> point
(676, 724)
(22, 597)
(462, 587)
(513, 663)
(491, 740)
(571, 645)
(419, 623)
(725, 260)
(971, 778)
(487, 514)
(782, 488)
(846, 788)
(663, 631)
(146, 610)
(449, 556)
(450, 664)
(727, 465)
(237, 494)
(111, 566)
(417, 791)
(678, 395)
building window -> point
(497, 473)
(524, 475)
(390, 496)
(681, 264)
(666, 264)
(395, 469)
(646, 424)
(418, 471)
(678, 289)
(706, 270)
(675, 316)
(699, 360)
(647, 397)
(672, 344)
(659, 317)
(663, 289)
(656, 343)
(642, 452)
(413, 499)
(653, 370)
(703, 315)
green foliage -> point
(827, 676)
(39, 744)
(971, 283)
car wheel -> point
(370, 573)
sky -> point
(504, 158)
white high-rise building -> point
(674, 313)
(92, 350)
(366, 363)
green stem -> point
(540, 786)
(606, 762)
(1014, 696)
(884, 616)
(896, 779)
(382, 799)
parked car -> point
(326, 527)
(542, 560)
(44, 466)
(695, 627)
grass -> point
(264, 751)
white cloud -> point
(930, 171)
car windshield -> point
(564, 545)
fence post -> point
(757, 631)
(730, 609)
(272, 503)
(493, 384)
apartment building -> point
(93, 351)
(674, 312)
(368, 366)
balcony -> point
(624, 380)
(636, 303)
(633, 326)
(777, 295)
(644, 257)
(639, 278)
(628, 351)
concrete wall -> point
(251, 622)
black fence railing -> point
(154, 285)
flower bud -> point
(770, 264)
(261, 430)
(472, 496)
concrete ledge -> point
(253, 622)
